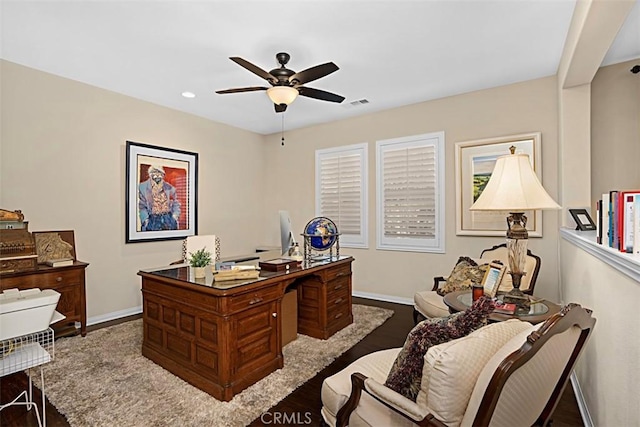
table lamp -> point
(514, 187)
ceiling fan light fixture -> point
(282, 94)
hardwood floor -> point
(303, 405)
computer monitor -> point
(286, 234)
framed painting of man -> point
(161, 193)
(474, 161)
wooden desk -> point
(539, 312)
(69, 281)
(223, 337)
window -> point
(341, 191)
(410, 190)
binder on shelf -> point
(599, 222)
(613, 219)
(625, 219)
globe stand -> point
(334, 250)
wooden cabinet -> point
(69, 281)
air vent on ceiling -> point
(359, 102)
(356, 103)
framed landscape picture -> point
(474, 161)
(161, 193)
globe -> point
(322, 233)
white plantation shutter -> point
(341, 181)
(410, 187)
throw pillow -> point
(405, 376)
(465, 273)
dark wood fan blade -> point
(254, 69)
(280, 108)
(242, 89)
(320, 94)
(313, 73)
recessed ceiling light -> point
(188, 94)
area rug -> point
(103, 379)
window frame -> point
(436, 245)
(360, 241)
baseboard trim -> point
(113, 315)
(582, 405)
(381, 297)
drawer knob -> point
(255, 301)
(338, 301)
(342, 273)
(338, 316)
(58, 279)
(337, 287)
(274, 314)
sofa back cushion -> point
(451, 369)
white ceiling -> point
(391, 53)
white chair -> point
(505, 374)
(194, 243)
(429, 304)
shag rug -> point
(103, 379)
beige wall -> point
(615, 130)
(608, 368)
(524, 107)
(63, 164)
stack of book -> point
(618, 220)
(236, 272)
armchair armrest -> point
(385, 396)
(437, 281)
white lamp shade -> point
(513, 187)
(282, 94)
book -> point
(605, 219)
(505, 308)
(227, 275)
(599, 222)
(636, 224)
(61, 262)
(613, 219)
(625, 220)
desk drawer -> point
(338, 310)
(240, 302)
(342, 271)
(338, 287)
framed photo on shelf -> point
(493, 278)
(474, 163)
(582, 219)
(161, 193)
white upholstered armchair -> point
(429, 303)
(510, 373)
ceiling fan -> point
(286, 84)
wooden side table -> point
(539, 312)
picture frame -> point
(54, 245)
(165, 207)
(582, 219)
(493, 278)
(474, 162)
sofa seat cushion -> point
(451, 369)
(406, 373)
(430, 304)
(337, 388)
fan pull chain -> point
(282, 139)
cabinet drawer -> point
(249, 299)
(342, 271)
(49, 280)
